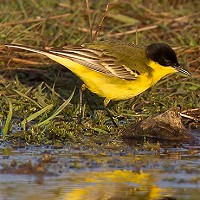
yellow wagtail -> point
(115, 70)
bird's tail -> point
(63, 60)
(43, 52)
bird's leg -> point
(82, 89)
(88, 100)
(106, 101)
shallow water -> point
(66, 173)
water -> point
(61, 174)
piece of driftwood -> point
(164, 128)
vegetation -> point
(39, 98)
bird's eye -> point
(168, 62)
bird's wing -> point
(102, 60)
(99, 60)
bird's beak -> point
(183, 71)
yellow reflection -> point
(117, 184)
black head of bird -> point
(164, 55)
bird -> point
(115, 70)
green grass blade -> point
(25, 96)
(8, 119)
(36, 114)
(46, 121)
(99, 130)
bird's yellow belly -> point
(117, 89)
(114, 88)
